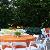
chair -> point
(0, 47)
(5, 47)
(20, 46)
(36, 36)
(43, 44)
(34, 46)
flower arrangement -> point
(17, 33)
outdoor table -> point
(10, 38)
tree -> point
(25, 12)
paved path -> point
(48, 45)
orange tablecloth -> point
(10, 38)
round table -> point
(12, 38)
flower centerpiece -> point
(17, 33)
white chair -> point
(36, 37)
(43, 45)
(19, 43)
(19, 46)
(6, 46)
(34, 46)
(0, 47)
(8, 49)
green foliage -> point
(25, 12)
(17, 33)
(35, 30)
